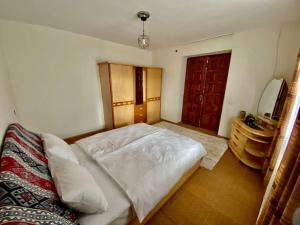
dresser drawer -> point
(140, 118)
(140, 108)
(235, 147)
(140, 115)
(237, 139)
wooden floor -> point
(230, 194)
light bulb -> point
(143, 41)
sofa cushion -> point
(25, 180)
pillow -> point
(55, 146)
(76, 187)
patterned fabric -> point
(284, 197)
(282, 126)
(25, 181)
(281, 130)
(15, 215)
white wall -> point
(55, 80)
(289, 46)
(252, 66)
(54, 76)
(6, 100)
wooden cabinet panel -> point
(154, 76)
(106, 94)
(123, 115)
(154, 79)
(153, 111)
(122, 82)
(144, 85)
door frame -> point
(184, 70)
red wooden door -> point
(194, 80)
(205, 84)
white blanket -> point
(146, 162)
(109, 141)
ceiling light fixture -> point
(143, 40)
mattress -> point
(120, 211)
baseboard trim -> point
(195, 128)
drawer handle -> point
(236, 137)
(141, 115)
(141, 108)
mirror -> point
(272, 99)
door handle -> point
(201, 98)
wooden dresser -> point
(130, 94)
(250, 145)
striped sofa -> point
(27, 192)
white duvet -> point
(145, 161)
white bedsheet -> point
(119, 211)
(146, 162)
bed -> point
(138, 167)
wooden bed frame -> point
(182, 180)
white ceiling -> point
(172, 22)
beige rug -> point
(214, 146)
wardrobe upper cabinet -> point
(154, 78)
(122, 82)
(130, 94)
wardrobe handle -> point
(201, 98)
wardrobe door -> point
(154, 77)
(153, 111)
(122, 87)
(123, 115)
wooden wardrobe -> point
(130, 94)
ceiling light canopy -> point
(143, 40)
